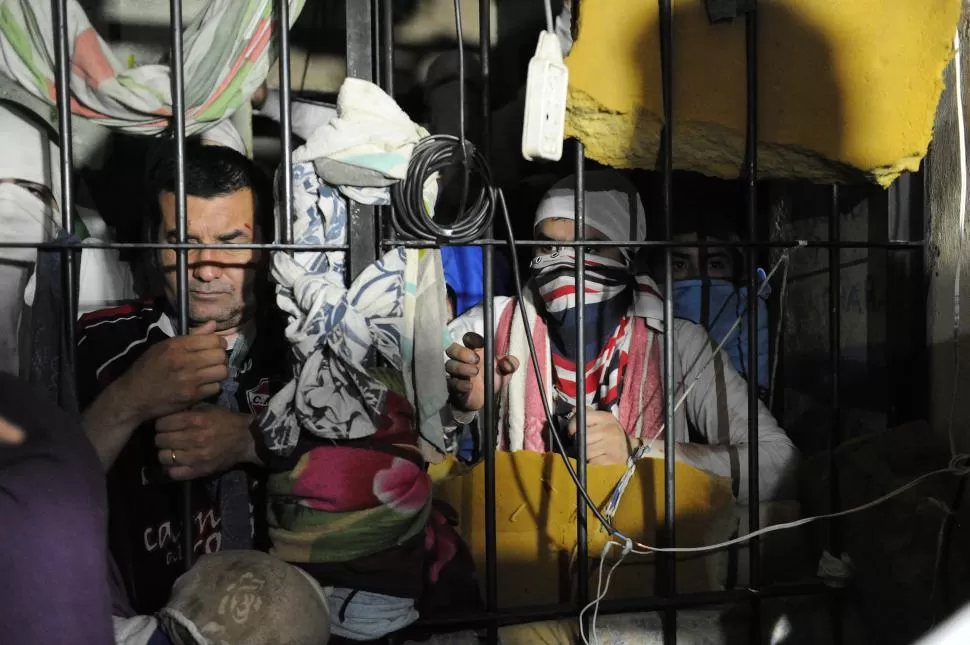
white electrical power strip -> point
(545, 101)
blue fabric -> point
(726, 303)
(463, 273)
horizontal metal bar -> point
(175, 246)
(680, 601)
(810, 244)
(783, 244)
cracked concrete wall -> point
(946, 253)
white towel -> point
(394, 309)
(367, 147)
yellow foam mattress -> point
(536, 524)
(848, 88)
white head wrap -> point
(611, 201)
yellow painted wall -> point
(845, 85)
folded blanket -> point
(351, 500)
(367, 147)
(394, 312)
(349, 497)
(226, 59)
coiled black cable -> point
(437, 154)
(411, 217)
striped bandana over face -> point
(605, 322)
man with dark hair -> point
(710, 282)
(161, 408)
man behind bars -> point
(162, 409)
(709, 282)
(623, 331)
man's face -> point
(220, 281)
(707, 262)
(564, 230)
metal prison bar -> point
(369, 52)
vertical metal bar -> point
(360, 64)
(384, 35)
(489, 433)
(581, 527)
(387, 46)
(181, 230)
(484, 50)
(835, 364)
(670, 433)
(63, 55)
(286, 112)
(751, 177)
(360, 55)
(489, 438)
(375, 37)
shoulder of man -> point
(110, 340)
(692, 344)
(122, 324)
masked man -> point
(710, 282)
(624, 337)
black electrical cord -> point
(517, 279)
(411, 220)
(435, 154)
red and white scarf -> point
(637, 404)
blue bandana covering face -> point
(716, 305)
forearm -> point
(109, 422)
(254, 436)
(776, 462)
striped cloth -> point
(226, 58)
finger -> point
(174, 422)
(182, 473)
(215, 374)
(473, 340)
(463, 386)
(599, 459)
(208, 327)
(207, 390)
(184, 443)
(507, 365)
(197, 342)
(183, 458)
(460, 369)
(463, 354)
(204, 358)
(574, 420)
(9, 433)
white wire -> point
(613, 503)
(601, 589)
(550, 23)
(957, 466)
(778, 329)
(720, 345)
